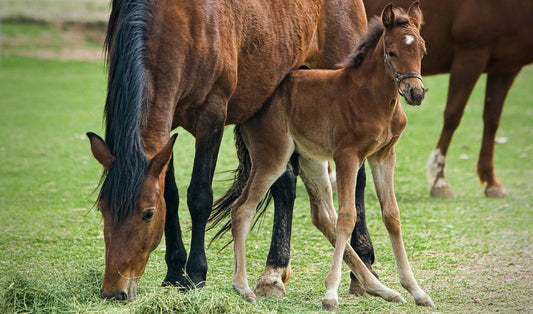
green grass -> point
(471, 254)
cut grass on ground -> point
(471, 254)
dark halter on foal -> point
(400, 77)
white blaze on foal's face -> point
(409, 39)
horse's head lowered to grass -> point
(130, 234)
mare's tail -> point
(222, 207)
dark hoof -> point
(183, 283)
(330, 305)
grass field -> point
(471, 254)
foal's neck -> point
(382, 84)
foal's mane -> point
(373, 34)
(125, 54)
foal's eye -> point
(148, 214)
(391, 54)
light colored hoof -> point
(269, 286)
(425, 302)
(246, 293)
(496, 191)
(356, 288)
(330, 305)
(250, 298)
(442, 191)
(397, 299)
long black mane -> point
(125, 46)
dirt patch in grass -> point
(500, 280)
(53, 40)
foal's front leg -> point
(383, 174)
(315, 178)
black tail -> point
(222, 207)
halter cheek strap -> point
(400, 77)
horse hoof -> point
(250, 299)
(425, 302)
(496, 191)
(269, 287)
(356, 288)
(330, 305)
(442, 191)
(397, 299)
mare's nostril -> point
(122, 296)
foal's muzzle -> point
(413, 94)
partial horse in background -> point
(200, 65)
(347, 115)
(466, 38)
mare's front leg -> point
(176, 254)
(277, 270)
(208, 134)
(383, 173)
(360, 240)
(466, 68)
(498, 85)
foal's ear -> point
(387, 16)
(100, 150)
(162, 158)
(415, 14)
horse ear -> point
(162, 158)
(387, 16)
(100, 150)
(415, 13)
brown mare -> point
(346, 115)
(200, 65)
(467, 38)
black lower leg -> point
(175, 255)
(284, 194)
(200, 201)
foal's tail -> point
(222, 207)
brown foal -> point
(346, 115)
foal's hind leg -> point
(315, 177)
(383, 173)
(277, 271)
(269, 153)
(498, 85)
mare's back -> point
(500, 26)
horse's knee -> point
(200, 202)
(391, 219)
(452, 118)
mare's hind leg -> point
(466, 68)
(277, 271)
(360, 239)
(498, 85)
(315, 177)
(175, 255)
(383, 174)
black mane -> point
(125, 45)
